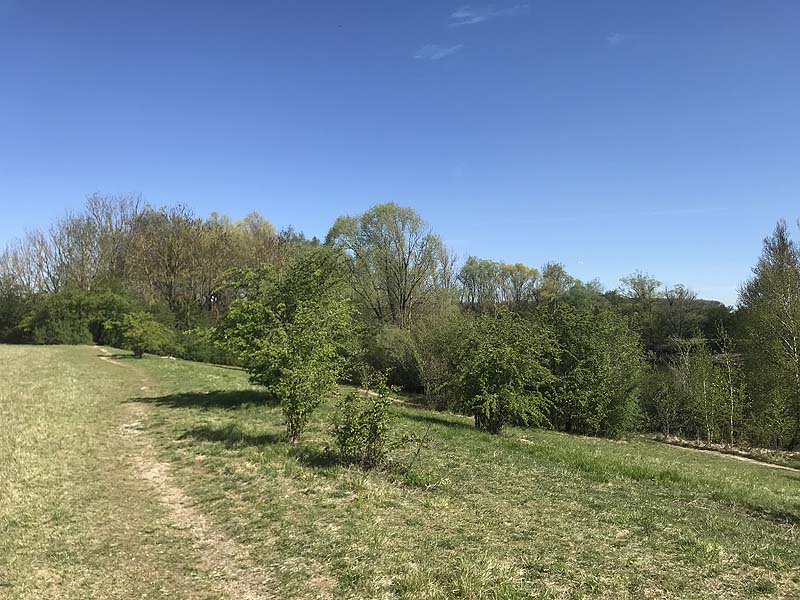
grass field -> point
(158, 478)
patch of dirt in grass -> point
(226, 560)
(108, 358)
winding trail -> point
(226, 561)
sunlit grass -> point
(531, 514)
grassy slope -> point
(477, 517)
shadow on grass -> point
(316, 458)
(228, 400)
(435, 419)
(231, 436)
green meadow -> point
(162, 478)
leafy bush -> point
(434, 339)
(143, 333)
(58, 319)
(72, 317)
(197, 345)
(103, 310)
(598, 365)
(14, 304)
(389, 349)
(361, 424)
(502, 375)
(290, 331)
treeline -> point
(504, 343)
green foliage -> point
(480, 281)
(393, 260)
(141, 333)
(14, 304)
(290, 330)
(74, 317)
(770, 309)
(434, 342)
(662, 401)
(362, 423)
(58, 319)
(104, 310)
(598, 369)
(502, 375)
(388, 348)
(198, 345)
(699, 394)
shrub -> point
(290, 331)
(434, 339)
(197, 345)
(142, 333)
(102, 309)
(389, 349)
(13, 307)
(361, 424)
(502, 374)
(598, 365)
(72, 317)
(58, 319)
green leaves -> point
(142, 333)
(361, 424)
(599, 365)
(290, 330)
(502, 374)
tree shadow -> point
(435, 419)
(316, 458)
(227, 400)
(231, 436)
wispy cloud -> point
(616, 38)
(468, 15)
(436, 52)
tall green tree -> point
(643, 293)
(770, 309)
(480, 283)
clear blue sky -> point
(611, 136)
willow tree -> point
(393, 258)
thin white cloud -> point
(468, 15)
(616, 38)
(436, 52)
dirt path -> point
(715, 452)
(226, 562)
(735, 457)
(107, 357)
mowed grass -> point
(75, 519)
(531, 514)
